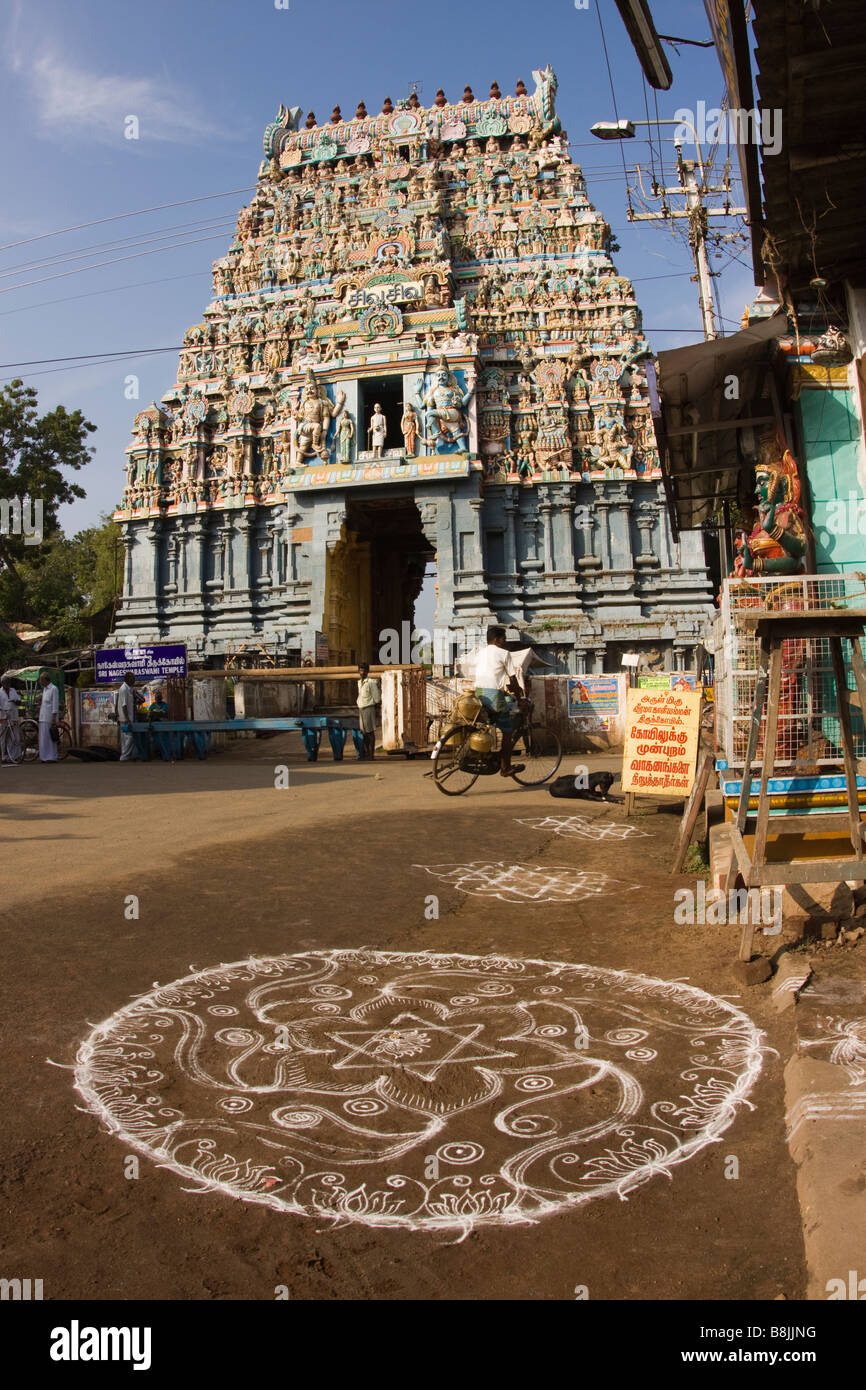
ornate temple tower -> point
(418, 349)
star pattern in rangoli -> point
(422, 1050)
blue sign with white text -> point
(145, 663)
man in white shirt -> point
(369, 697)
(497, 675)
(49, 709)
(124, 708)
(10, 731)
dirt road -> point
(481, 1129)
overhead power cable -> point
(82, 269)
(91, 294)
(121, 244)
(119, 216)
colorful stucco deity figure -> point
(316, 412)
(409, 430)
(378, 431)
(613, 448)
(345, 438)
(444, 406)
(777, 542)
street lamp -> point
(624, 130)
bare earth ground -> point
(226, 867)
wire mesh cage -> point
(809, 732)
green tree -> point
(36, 451)
(61, 583)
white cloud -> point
(71, 101)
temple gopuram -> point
(418, 351)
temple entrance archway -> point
(374, 577)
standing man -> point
(49, 709)
(496, 676)
(378, 428)
(369, 697)
(124, 709)
(10, 732)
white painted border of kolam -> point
(755, 1046)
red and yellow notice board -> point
(661, 741)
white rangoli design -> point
(846, 1039)
(585, 827)
(520, 883)
(419, 1090)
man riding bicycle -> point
(496, 680)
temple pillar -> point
(602, 508)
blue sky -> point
(204, 78)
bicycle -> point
(7, 742)
(471, 748)
(30, 740)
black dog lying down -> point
(599, 787)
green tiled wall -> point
(830, 429)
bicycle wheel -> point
(449, 761)
(11, 747)
(540, 749)
(29, 740)
(65, 743)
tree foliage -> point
(61, 583)
(36, 451)
(58, 583)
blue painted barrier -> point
(170, 736)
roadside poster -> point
(97, 706)
(146, 663)
(674, 680)
(593, 697)
(661, 741)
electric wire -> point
(119, 216)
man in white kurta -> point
(48, 712)
(125, 711)
(10, 729)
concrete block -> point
(791, 975)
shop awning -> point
(703, 397)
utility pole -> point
(698, 223)
(698, 215)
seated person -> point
(157, 709)
(495, 674)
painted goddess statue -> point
(409, 429)
(777, 543)
(345, 437)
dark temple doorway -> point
(387, 392)
(375, 576)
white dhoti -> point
(128, 751)
(47, 746)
